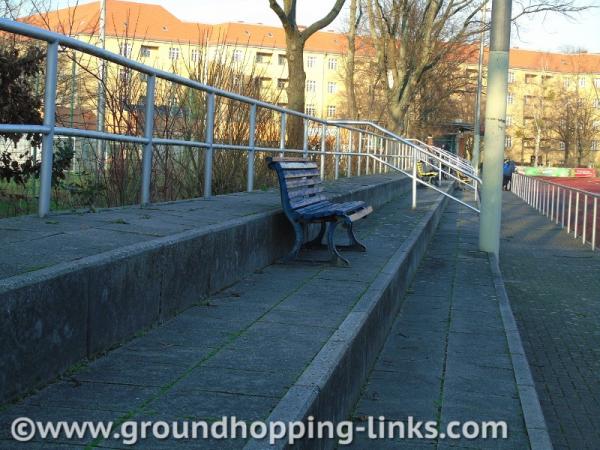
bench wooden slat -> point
(300, 182)
(307, 201)
(298, 165)
(360, 214)
(292, 194)
(301, 173)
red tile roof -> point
(153, 22)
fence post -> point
(585, 209)
(594, 223)
(148, 134)
(576, 212)
(49, 121)
(209, 139)
(323, 144)
(282, 134)
(251, 144)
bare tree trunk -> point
(295, 90)
(295, 40)
(351, 60)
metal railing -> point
(575, 210)
(373, 148)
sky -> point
(549, 32)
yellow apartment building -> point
(541, 85)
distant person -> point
(508, 168)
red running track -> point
(585, 184)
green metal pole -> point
(495, 128)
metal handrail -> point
(561, 204)
(377, 142)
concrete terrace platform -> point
(251, 348)
(76, 285)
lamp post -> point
(495, 127)
(477, 125)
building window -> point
(125, 50)
(510, 99)
(282, 83)
(264, 83)
(528, 100)
(511, 77)
(595, 146)
(332, 64)
(145, 51)
(562, 146)
(281, 60)
(263, 58)
(508, 121)
(597, 82)
(311, 86)
(596, 103)
(311, 61)
(596, 124)
(530, 78)
(566, 83)
(508, 141)
(582, 82)
(237, 55)
(332, 87)
(331, 111)
(173, 53)
(195, 55)
(310, 110)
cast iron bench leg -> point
(355, 244)
(299, 233)
(336, 258)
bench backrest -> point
(299, 182)
(420, 168)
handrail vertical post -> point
(337, 154)
(49, 121)
(282, 134)
(148, 134)
(349, 156)
(251, 149)
(209, 140)
(563, 208)
(360, 149)
(414, 179)
(323, 144)
(305, 139)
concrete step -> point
(75, 285)
(285, 341)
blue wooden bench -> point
(303, 203)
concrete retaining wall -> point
(54, 318)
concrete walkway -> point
(235, 354)
(447, 357)
(553, 282)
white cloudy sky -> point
(550, 32)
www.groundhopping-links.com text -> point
(130, 432)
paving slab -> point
(447, 357)
(553, 283)
(235, 353)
